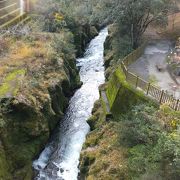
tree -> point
(134, 16)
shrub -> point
(63, 46)
(3, 45)
(140, 126)
(154, 150)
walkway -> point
(155, 54)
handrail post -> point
(127, 72)
(162, 93)
(127, 61)
(137, 81)
(122, 66)
(149, 84)
(176, 108)
(133, 58)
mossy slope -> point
(37, 82)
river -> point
(60, 158)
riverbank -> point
(136, 140)
(38, 76)
(62, 161)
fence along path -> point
(159, 95)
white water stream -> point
(60, 159)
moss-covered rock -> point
(82, 36)
(34, 96)
(103, 157)
(11, 83)
(38, 78)
(121, 95)
(4, 166)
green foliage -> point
(53, 25)
(55, 15)
(122, 45)
(134, 16)
(63, 46)
(140, 126)
(154, 150)
(102, 11)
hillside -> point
(38, 75)
(139, 140)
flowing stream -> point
(60, 158)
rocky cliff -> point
(38, 76)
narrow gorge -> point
(89, 90)
(62, 161)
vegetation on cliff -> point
(142, 143)
(38, 74)
(140, 140)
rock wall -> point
(29, 115)
(83, 35)
(28, 121)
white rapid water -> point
(60, 159)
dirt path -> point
(155, 54)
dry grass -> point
(110, 158)
(4, 44)
(33, 55)
(42, 65)
(173, 28)
(22, 54)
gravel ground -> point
(155, 54)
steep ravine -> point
(30, 117)
(32, 111)
(61, 161)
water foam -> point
(63, 162)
